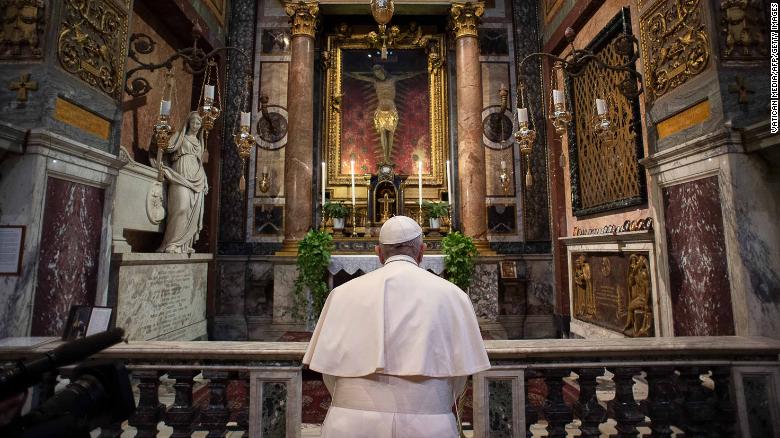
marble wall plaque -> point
(161, 296)
(684, 119)
(613, 290)
(87, 121)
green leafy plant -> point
(313, 258)
(459, 255)
(435, 209)
(336, 209)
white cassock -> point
(395, 347)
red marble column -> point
(471, 154)
(300, 137)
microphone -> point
(27, 373)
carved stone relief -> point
(155, 210)
(675, 45)
(21, 31)
(92, 43)
(742, 27)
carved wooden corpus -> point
(303, 17)
(466, 17)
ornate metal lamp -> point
(559, 115)
(525, 134)
(243, 139)
(209, 101)
(382, 10)
(162, 127)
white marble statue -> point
(187, 187)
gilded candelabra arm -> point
(195, 60)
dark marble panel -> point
(500, 408)
(614, 291)
(69, 258)
(526, 40)
(274, 406)
(493, 42)
(757, 399)
(269, 220)
(698, 269)
(231, 200)
(501, 218)
(275, 41)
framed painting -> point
(386, 112)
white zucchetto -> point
(399, 229)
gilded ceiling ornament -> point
(675, 46)
(304, 16)
(742, 27)
(22, 86)
(466, 17)
(22, 29)
(92, 43)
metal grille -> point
(607, 169)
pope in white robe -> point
(395, 346)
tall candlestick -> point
(449, 184)
(601, 106)
(165, 107)
(324, 175)
(419, 182)
(352, 172)
(210, 91)
(522, 115)
(557, 97)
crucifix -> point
(22, 86)
(386, 207)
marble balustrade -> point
(702, 386)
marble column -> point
(300, 109)
(471, 154)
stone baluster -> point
(531, 414)
(627, 413)
(698, 413)
(724, 407)
(556, 412)
(215, 417)
(149, 410)
(181, 414)
(660, 394)
(591, 413)
(113, 430)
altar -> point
(351, 264)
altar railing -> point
(707, 386)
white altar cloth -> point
(367, 263)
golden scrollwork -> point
(465, 18)
(639, 314)
(22, 29)
(304, 17)
(92, 43)
(675, 45)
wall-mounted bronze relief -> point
(613, 290)
(92, 43)
(675, 45)
(742, 27)
(21, 31)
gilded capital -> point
(303, 17)
(465, 18)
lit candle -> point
(601, 106)
(503, 165)
(522, 115)
(165, 107)
(210, 91)
(265, 169)
(419, 181)
(449, 183)
(245, 119)
(352, 171)
(323, 183)
(557, 97)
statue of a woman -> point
(187, 187)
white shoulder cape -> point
(399, 320)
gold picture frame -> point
(434, 47)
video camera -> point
(98, 395)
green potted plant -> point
(313, 258)
(459, 256)
(435, 211)
(336, 211)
